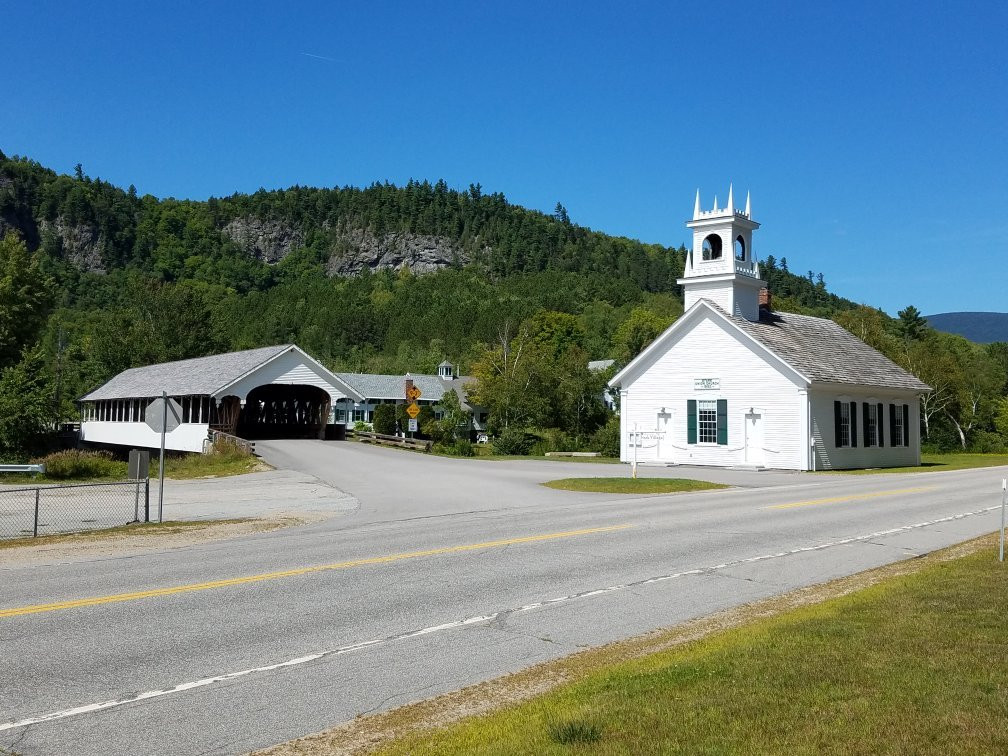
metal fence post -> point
(147, 500)
(35, 531)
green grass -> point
(938, 462)
(631, 485)
(132, 529)
(914, 664)
(177, 467)
(218, 465)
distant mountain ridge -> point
(981, 327)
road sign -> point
(412, 425)
(155, 415)
(413, 410)
(413, 393)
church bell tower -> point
(721, 266)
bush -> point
(986, 442)
(463, 448)
(384, 419)
(514, 441)
(360, 425)
(606, 440)
(78, 464)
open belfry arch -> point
(733, 383)
(272, 392)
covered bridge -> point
(273, 392)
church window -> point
(843, 424)
(707, 421)
(898, 425)
(871, 426)
(712, 247)
(739, 248)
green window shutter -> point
(879, 414)
(906, 425)
(853, 424)
(893, 441)
(691, 421)
(722, 422)
(837, 439)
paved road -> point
(448, 572)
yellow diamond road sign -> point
(413, 393)
(413, 410)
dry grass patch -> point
(631, 485)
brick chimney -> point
(764, 300)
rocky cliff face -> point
(270, 241)
(357, 249)
(82, 243)
(353, 249)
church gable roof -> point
(825, 351)
(816, 349)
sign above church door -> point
(706, 384)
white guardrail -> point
(40, 469)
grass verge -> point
(938, 462)
(631, 485)
(177, 467)
(171, 527)
(912, 665)
(903, 658)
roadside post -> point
(413, 410)
(1004, 502)
(636, 443)
(162, 416)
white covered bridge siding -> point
(273, 392)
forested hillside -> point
(982, 327)
(96, 279)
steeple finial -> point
(696, 206)
(748, 206)
(715, 203)
(731, 199)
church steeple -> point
(721, 267)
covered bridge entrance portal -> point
(284, 411)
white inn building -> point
(732, 383)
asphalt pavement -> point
(431, 574)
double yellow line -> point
(851, 497)
(211, 584)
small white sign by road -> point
(158, 420)
(412, 425)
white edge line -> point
(102, 705)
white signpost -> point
(162, 416)
(637, 437)
(1004, 501)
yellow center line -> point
(851, 497)
(170, 591)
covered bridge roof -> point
(200, 376)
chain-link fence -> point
(43, 510)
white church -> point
(734, 384)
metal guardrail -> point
(40, 469)
(34, 511)
(381, 438)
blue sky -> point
(872, 136)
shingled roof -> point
(824, 351)
(200, 376)
(432, 387)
